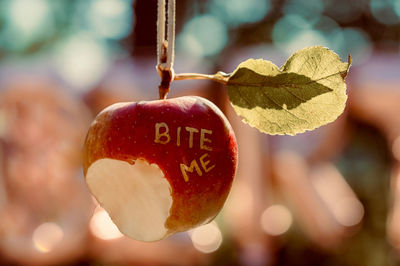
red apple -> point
(160, 167)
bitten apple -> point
(160, 167)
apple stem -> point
(165, 45)
(220, 76)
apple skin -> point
(126, 131)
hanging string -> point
(160, 32)
(171, 34)
(165, 45)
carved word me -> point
(162, 136)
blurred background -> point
(327, 197)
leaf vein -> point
(266, 84)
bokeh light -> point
(326, 26)
(46, 236)
(336, 193)
(202, 36)
(240, 201)
(396, 148)
(396, 7)
(27, 16)
(206, 238)
(103, 227)
(304, 39)
(81, 60)
(385, 11)
(276, 220)
(293, 32)
(286, 27)
(26, 21)
(236, 12)
(309, 9)
(343, 10)
(111, 18)
(348, 211)
(352, 41)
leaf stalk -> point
(219, 77)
